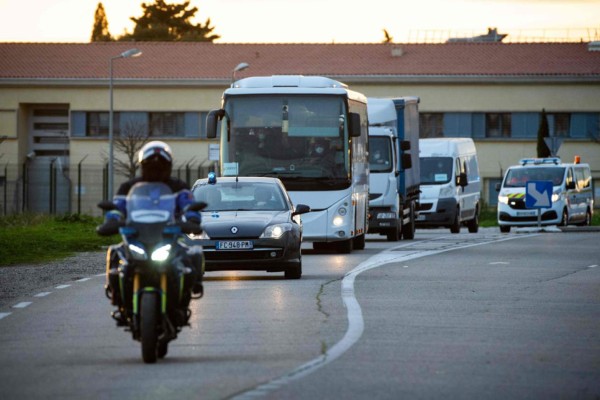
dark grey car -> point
(250, 223)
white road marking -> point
(4, 314)
(592, 266)
(354, 312)
(42, 294)
(23, 304)
(83, 279)
(62, 286)
(499, 262)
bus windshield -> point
(293, 137)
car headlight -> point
(555, 197)
(275, 231)
(162, 253)
(503, 199)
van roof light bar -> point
(538, 161)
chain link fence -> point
(72, 189)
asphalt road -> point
(443, 316)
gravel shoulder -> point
(24, 280)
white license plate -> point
(235, 245)
(526, 213)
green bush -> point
(37, 238)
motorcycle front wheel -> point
(148, 323)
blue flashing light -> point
(212, 178)
(538, 161)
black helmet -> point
(156, 160)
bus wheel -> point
(344, 246)
(359, 242)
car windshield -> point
(518, 177)
(150, 203)
(435, 170)
(241, 196)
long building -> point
(55, 103)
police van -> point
(572, 194)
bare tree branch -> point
(133, 137)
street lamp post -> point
(240, 67)
(125, 54)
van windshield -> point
(518, 177)
(435, 170)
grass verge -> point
(35, 238)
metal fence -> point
(72, 189)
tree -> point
(100, 31)
(133, 137)
(543, 132)
(169, 23)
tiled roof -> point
(208, 61)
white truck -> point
(394, 176)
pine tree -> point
(100, 31)
(169, 22)
(543, 132)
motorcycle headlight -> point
(137, 252)
(162, 253)
(275, 231)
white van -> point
(450, 184)
(572, 195)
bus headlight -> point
(338, 220)
(342, 211)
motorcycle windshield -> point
(150, 202)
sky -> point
(316, 21)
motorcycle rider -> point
(156, 162)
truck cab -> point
(393, 166)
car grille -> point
(234, 255)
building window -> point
(562, 124)
(431, 125)
(97, 124)
(497, 125)
(166, 124)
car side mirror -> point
(497, 187)
(301, 209)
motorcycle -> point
(155, 284)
